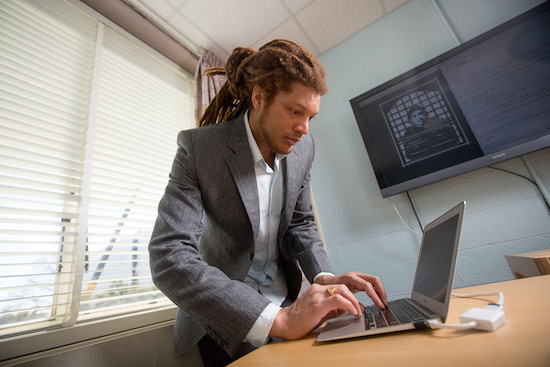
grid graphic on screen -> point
(414, 143)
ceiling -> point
(221, 25)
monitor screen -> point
(480, 103)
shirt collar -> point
(256, 154)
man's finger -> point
(376, 289)
(374, 296)
(338, 301)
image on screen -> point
(422, 121)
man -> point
(235, 224)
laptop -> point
(431, 293)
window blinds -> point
(88, 122)
(142, 104)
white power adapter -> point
(489, 318)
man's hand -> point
(314, 307)
(357, 282)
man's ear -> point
(257, 97)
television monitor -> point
(483, 102)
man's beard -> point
(268, 139)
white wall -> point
(505, 213)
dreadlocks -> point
(274, 67)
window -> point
(88, 123)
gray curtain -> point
(206, 87)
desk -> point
(524, 340)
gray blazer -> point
(204, 237)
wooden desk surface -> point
(524, 340)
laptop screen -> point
(436, 260)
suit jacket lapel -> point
(291, 168)
(242, 168)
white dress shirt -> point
(264, 274)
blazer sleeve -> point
(302, 236)
(226, 308)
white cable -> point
(402, 221)
(536, 179)
(434, 324)
(462, 279)
(500, 294)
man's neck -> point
(267, 154)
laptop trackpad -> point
(348, 324)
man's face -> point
(418, 118)
(279, 125)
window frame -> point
(26, 345)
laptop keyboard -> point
(397, 312)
